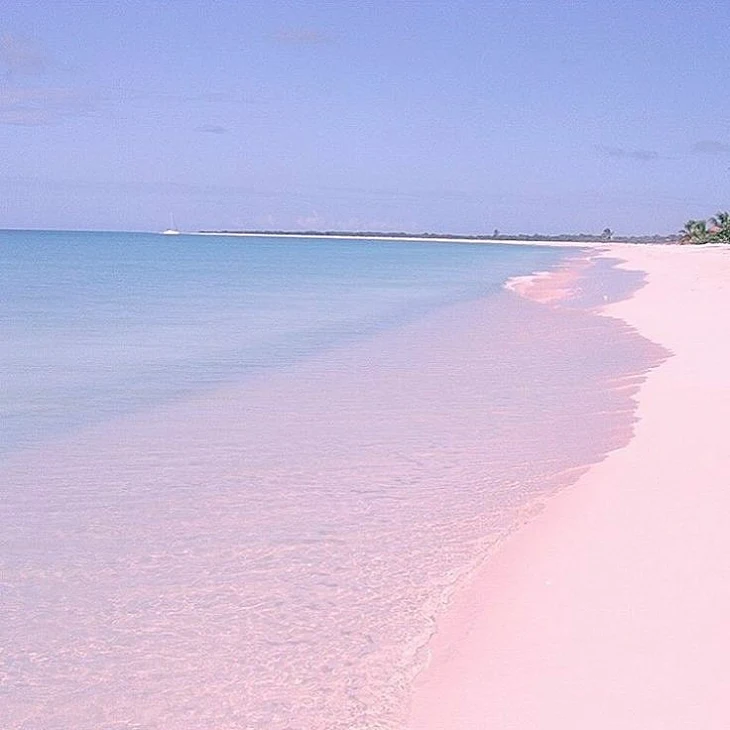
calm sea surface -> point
(241, 477)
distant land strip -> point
(568, 237)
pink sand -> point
(611, 609)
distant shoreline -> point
(561, 240)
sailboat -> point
(172, 230)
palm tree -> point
(721, 222)
(695, 232)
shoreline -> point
(609, 608)
(421, 239)
(551, 287)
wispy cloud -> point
(312, 220)
(26, 98)
(20, 57)
(628, 153)
(302, 36)
(165, 98)
(711, 147)
(39, 106)
(212, 129)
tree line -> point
(716, 230)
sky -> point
(527, 116)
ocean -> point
(241, 477)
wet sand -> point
(610, 608)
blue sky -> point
(544, 116)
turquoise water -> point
(98, 324)
(242, 477)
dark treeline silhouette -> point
(605, 236)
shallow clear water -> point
(94, 324)
(242, 476)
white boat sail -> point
(172, 230)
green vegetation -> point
(717, 230)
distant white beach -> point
(421, 239)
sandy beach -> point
(610, 608)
